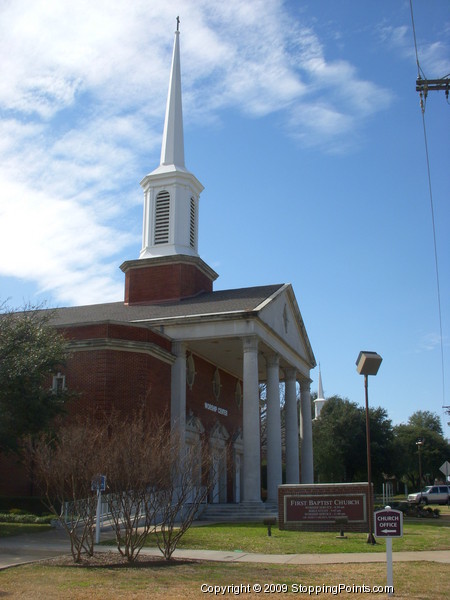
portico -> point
(254, 345)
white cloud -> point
(434, 56)
(82, 96)
(430, 341)
(58, 243)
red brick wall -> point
(109, 379)
(102, 380)
(106, 379)
(337, 490)
(202, 391)
(164, 282)
(14, 479)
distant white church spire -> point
(320, 392)
(171, 192)
(320, 400)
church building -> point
(197, 354)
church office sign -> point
(320, 507)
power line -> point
(423, 85)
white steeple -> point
(171, 192)
(320, 392)
(172, 149)
(320, 400)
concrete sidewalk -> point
(441, 556)
(38, 546)
(31, 547)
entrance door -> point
(237, 480)
(216, 479)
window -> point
(216, 385)
(192, 224)
(162, 218)
(59, 383)
(238, 394)
(190, 371)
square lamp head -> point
(368, 363)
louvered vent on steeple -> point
(192, 224)
(162, 218)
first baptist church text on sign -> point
(325, 508)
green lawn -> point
(184, 580)
(421, 534)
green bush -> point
(25, 518)
(18, 511)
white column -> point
(291, 426)
(178, 394)
(306, 432)
(273, 425)
(251, 431)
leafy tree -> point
(425, 426)
(30, 352)
(426, 420)
(340, 448)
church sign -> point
(322, 507)
(319, 509)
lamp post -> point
(419, 445)
(367, 364)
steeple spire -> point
(320, 392)
(171, 192)
(320, 400)
(172, 149)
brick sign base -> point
(323, 507)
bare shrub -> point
(179, 501)
(153, 484)
(64, 467)
(135, 464)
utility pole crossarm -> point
(426, 85)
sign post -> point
(99, 485)
(388, 525)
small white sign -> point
(217, 409)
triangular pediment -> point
(282, 315)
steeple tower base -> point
(166, 278)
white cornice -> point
(121, 346)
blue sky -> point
(303, 124)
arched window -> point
(190, 371)
(162, 218)
(216, 385)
